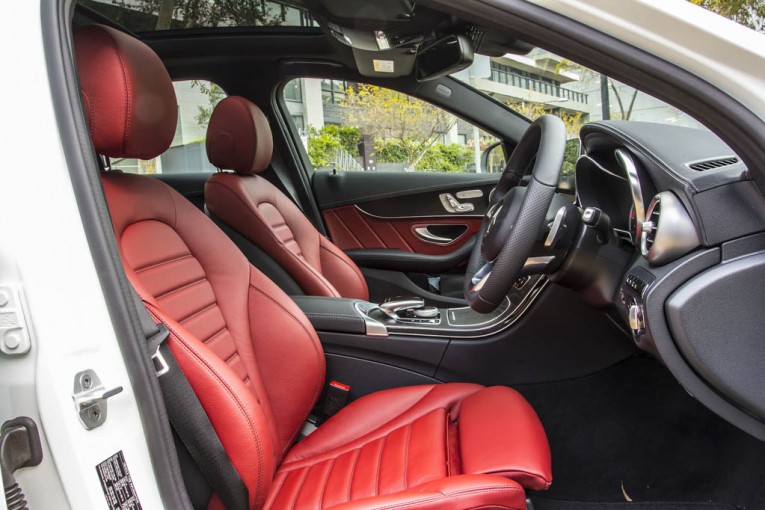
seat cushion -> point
(403, 446)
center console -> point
(411, 315)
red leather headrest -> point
(239, 137)
(128, 95)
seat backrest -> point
(239, 139)
(249, 353)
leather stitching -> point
(304, 263)
(353, 268)
(299, 488)
(325, 482)
(313, 341)
(353, 473)
(441, 495)
(179, 289)
(371, 435)
(406, 454)
(162, 263)
(182, 342)
(126, 126)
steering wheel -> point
(516, 215)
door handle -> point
(426, 235)
(454, 206)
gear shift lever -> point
(392, 306)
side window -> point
(350, 126)
(196, 100)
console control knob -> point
(393, 306)
(427, 312)
(635, 315)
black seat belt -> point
(188, 417)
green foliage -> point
(170, 14)
(323, 143)
(321, 147)
(441, 157)
(348, 136)
(750, 13)
(214, 94)
(391, 151)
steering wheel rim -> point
(509, 231)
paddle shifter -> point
(409, 309)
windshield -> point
(541, 82)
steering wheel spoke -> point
(481, 276)
(516, 218)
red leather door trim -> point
(351, 228)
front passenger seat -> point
(239, 139)
(252, 357)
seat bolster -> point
(454, 493)
(236, 200)
(281, 333)
(377, 414)
(341, 271)
(234, 411)
(500, 434)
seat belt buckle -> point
(160, 365)
(336, 398)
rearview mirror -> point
(445, 56)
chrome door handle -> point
(427, 236)
(452, 205)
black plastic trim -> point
(84, 172)
(738, 126)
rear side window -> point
(196, 100)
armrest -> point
(332, 314)
(399, 260)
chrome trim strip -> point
(506, 319)
(469, 193)
(426, 235)
(628, 164)
(414, 217)
(601, 167)
(373, 327)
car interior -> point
(371, 338)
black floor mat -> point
(632, 431)
(552, 504)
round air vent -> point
(668, 232)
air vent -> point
(713, 163)
(651, 225)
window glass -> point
(541, 83)
(187, 154)
(152, 15)
(359, 127)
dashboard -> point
(685, 268)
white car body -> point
(44, 248)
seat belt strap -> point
(189, 419)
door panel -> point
(365, 210)
(406, 228)
(351, 229)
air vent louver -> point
(649, 235)
(713, 163)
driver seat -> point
(254, 360)
(239, 139)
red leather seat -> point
(255, 362)
(239, 139)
